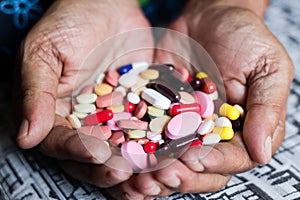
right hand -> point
(53, 64)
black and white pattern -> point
(28, 175)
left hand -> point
(257, 73)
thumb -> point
(40, 72)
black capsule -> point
(163, 69)
(237, 125)
(165, 90)
(196, 84)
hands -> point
(256, 70)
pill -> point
(201, 75)
(196, 143)
(84, 108)
(207, 85)
(141, 109)
(237, 125)
(99, 117)
(153, 136)
(133, 98)
(116, 108)
(141, 141)
(195, 83)
(229, 111)
(121, 89)
(80, 115)
(183, 124)
(117, 138)
(88, 89)
(240, 109)
(186, 98)
(211, 139)
(150, 147)
(214, 96)
(165, 90)
(207, 105)
(100, 132)
(155, 112)
(189, 79)
(180, 108)
(100, 78)
(223, 122)
(132, 124)
(206, 127)
(129, 107)
(74, 121)
(137, 66)
(172, 81)
(183, 73)
(226, 133)
(117, 116)
(112, 77)
(114, 98)
(128, 80)
(157, 125)
(134, 134)
(150, 74)
(139, 85)
(134, 153)
(156, 99)
(86, 98)
(103, 89)
(166, 68)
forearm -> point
(257, 6)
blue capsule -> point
(124, 69)
(137, 67)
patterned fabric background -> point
(28, 175)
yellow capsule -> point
(229, 111)
(240, 109)
(226, 133)
(200, 75)
(156, 112)
(103, 89)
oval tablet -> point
(86, 98)
(206, 127)
(182, 125)
(114, 98)
(211, 139)
(223, 122)
(150, 74)
(134, 153)
(140, 110)
(186, 98)
(85, 108)
(128, 80)
(158, 124)
(112, 77)
(133, 98)
(207, 105)
(103, 89)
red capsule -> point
(150, 147)
(207, 85)
(180, 108)
(197, 143)
(99, 117)
(129, 107)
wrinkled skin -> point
(257, 73)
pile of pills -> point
(154, 110)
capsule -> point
(129, 107)
(137, 66)
(167, 91)
(99, 117)
(201, 75)
(226, 133)
(156, 99)
(195, 84)
(164, 68)
(180, 108)
(229, 111)
(207, 85)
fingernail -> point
(174, 182)
(155, 190)
(23, 131)
(268, 149)
(198, 166)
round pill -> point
(158, 124)
(150, 147)
(128, 80)
(103, 89)
(223, 122)
(85, 108)
(207, 105)
(229, 111)
(186, 98)
(112, 77)
(206, 127)
(86, 98)
(150, 74)
(133, 98)
(182, 125)
(134, 153)
(211, 139)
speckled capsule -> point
(229, 111)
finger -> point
(41, 69)
(177, 177)
(265, 107)
(68, 144)
(114, 171)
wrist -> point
(257, 7)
